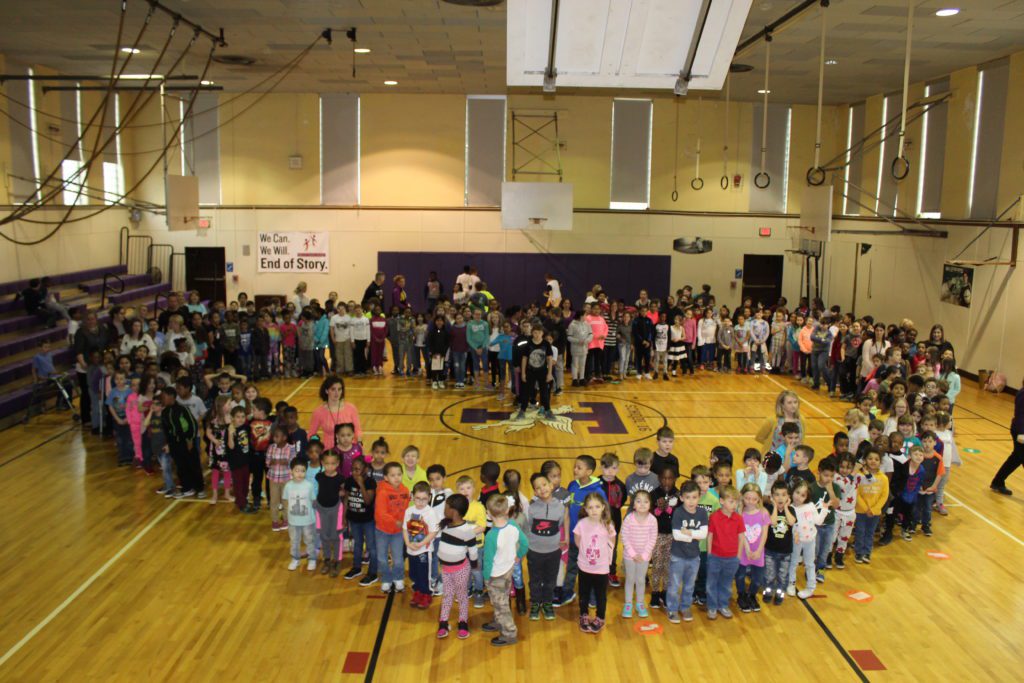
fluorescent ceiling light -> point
(130, 50)
(831, 62)
(390, 82)
(140, 77)
(361, 50)
(764, 92)
(206, 83)
(948, 12)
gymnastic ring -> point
(905, 165)
(724, 182)
(815, 176)
(697, 183)
(767, 180)
(675, 195)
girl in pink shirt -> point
(639, 534)
(595, 538)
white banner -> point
(293, 252)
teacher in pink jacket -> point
(334, 411)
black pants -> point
(642, 354)
(1015, 460)
(84, 402)
(359, 356)
(686, 364)
(724, 359)
(598, 583)
(535, 381)
(190, 473)
(595, 363)
(543, 575)
(257, 465)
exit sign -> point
(764, 232)
(204, 224)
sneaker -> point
(478, 600)
(866, 559)
(927, 531)
(743, 602)
(613, 580)
(641, 610)
(385, 587)
(442, 630)
(521, 415)
(173, 493)
(311, 565)
(399, 586)
(369, 580)
(548, 415)
(437, 590)
(805, 593)
(726, 612)
(885, 540)
(840, 561)
(906, 535)
(941, 509)
(463, 631)
(819, 577)
(858, 559)
(829, 562)
(791, 589)
(549, 611)
(566, 599)
(352, 574)
(293, 565)
(596, 624)
(712, 614)
(325, 566)
(491, 627)
(1002, 490)
(187, 494)
(700, 600)
(766, 595)
(754, 604)
(163, 491)
(673, 617)
(656, 600)
(201, 495)
(627, 611)
(585, 624)
(502, 641)
(779, 597)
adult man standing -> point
(1016, 457)
(375, 290)
(174, 307)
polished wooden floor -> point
(101, 579)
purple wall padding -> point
(519, 278)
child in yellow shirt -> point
(872, 495)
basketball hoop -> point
(538, 221)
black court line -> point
(835, 641)
(38, 445)
(372, 666)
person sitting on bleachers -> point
(44, 371)
(39, 302)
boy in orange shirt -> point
(390, 504)
(933, 471)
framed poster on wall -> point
(957, 285)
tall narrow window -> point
(75, 192)
(21, 129)
(205, 146)
(339, 149)
(485, 149)
(113, 171)
(987, 152)
(771, 199)
(854, 171)
(933, 152)
(631, 154)
(885, 204)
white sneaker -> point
(311, 565)
(791, 589)
(385, 587)
(293, 565)
(399, 586)
(647, 376)
(805, 593)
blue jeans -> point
(924, 510)
(682, 575)
(167, 468)
(459, 366)
(389, 573)
(756, 575)
(823, 545)
(360, 532)
(721, 571)
(480, 367)
(97, 408)
(776, 570)
(302, 534)
(803, 552)
(419, 572)
(864, 533)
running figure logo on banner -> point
(293, 252)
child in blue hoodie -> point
(584, 483)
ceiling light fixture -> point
(140, 77)
(130, 50)
(831, 62)
(948, 12)
(764, 92)
(361, 50)
(206, 83)
(390, 82)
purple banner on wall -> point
(519, 278)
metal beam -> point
(775, 26)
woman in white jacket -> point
(579, 335)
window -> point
(113, 171)
(631, 154)
(339, 149)
(886, 195)
(853, 173)
(485, 149)
(24, 145)
(933, 152)
(206, 155)
(75, 191)
(986, 150)
(771, 199)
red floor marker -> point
(938, 555)
(860, 596)
(648, 628)
(867, 660)
(355, 663)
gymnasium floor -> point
(102, 579)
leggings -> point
(636, 580)
(687, 363)
(624, 360)
(330, 534)
(216, 475)
(803, 551)
(596, 585)
(497, 371)
(579, 365)
(455, 583)
(277, 513)
(659, 563)
(240, 484)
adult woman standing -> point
(787, 409)
(300, 299)
(1016, 458)
(334, 410)
(937, 340)
(398, 297)
(951, 376)
(135, 336)
(877, 345)
(90, 338)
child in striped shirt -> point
(639, 534)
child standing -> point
(639, 533)
(438, 495)
(778, 545)
(504, 543)
(689, 529)
(710, 503)
(117, 405)
(456, 551)
(298, 495)
(846, 514)
(595, 538)
(278, 465)
(741, 344)
(666, 500)
(260, 425)
(412, 473)
(389, 513)
(805, 531)
(418, 531)
(360, 489)
(615, 493)
(546, 521)
(755, 522)
(725, 528)
(872, 493)
(240, 452)
(825, 495)
(726, 338)
(642, 479)
(289, 347)
(582, 485)
(329, 483)
(663, 456)
(476, 515)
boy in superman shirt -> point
(583, 484)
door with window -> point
(762, 278)
(205, 273)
